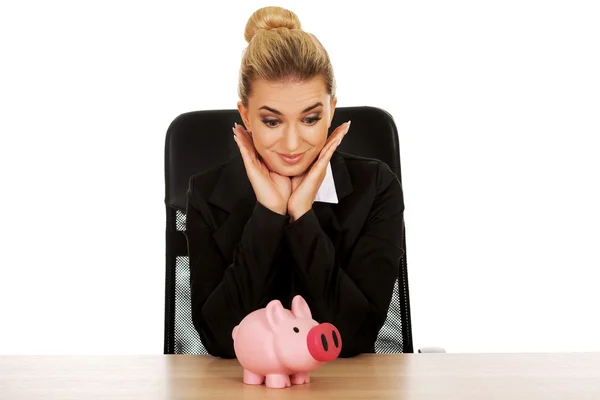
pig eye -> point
(296, 330)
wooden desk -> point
(403, 376)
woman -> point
(292, 215)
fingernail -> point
(235, 124)
(348, 127)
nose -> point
(324, 342)
(291, 140)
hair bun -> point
(268, 18)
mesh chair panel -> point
(186, 338)
(390, 339)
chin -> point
(278, 166)
(289, 170)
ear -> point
(276, 314)
(244, 115)
(300, 308)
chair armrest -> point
(432, 350)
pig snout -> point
(324, 342)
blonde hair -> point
(278, 49)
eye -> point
(311, 120)
(271, 123)
(296, 330)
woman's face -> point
(289, 122)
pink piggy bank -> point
(280, 347)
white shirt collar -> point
(327, 193)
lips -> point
(291, 160)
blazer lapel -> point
(341, 176)
(233, 194)
(232, 185)
(328, 213)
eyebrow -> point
(279, 113)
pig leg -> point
(300, 378)
(251, 378)
(278, 381)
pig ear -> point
(276, 313)
(300, 308)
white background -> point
(497, 105)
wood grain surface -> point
(564, 376)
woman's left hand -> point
(306, 186)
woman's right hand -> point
(271, 189)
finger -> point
(246, 150)
(238, 137)
(326, 155)
(332, 142)
(314, 177)
(250, 165)
(243, 132)
(238, 131)
(242, 141)
(340, 131)
(317, 172)
(343, 130)
(330, 147)
(338, 134)
(246, 156)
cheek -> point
(263, 141)
(317, 136)
(315, 140)
(317, 146)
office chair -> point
(199, 140)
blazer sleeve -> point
(222, 295)
(355, 298)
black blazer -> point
(342, 258)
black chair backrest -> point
(200, 140)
